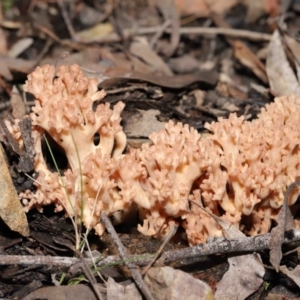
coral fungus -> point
(238, 172)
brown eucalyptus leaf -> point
(244, 277)
(242, 269)
(141, 48)
(294, 274)
(285, 222)
(11, 210)
(282, 78)
(111, 77)
(120, 291)
(143, 123)
(17, 104)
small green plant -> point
(81, 239)
(73, 219)
(95, 270)
(266, 285)
(7, 5)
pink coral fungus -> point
(238, 172)
(256, 162)
(64, 109)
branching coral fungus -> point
(257, 161)
(173, 162)
(238, 172)
(64, 109)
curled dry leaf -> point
(285, 222)
(94, 33)
(17, 104)
(63, 293)
(113, 76)
(143, 123)
(244, 268)
(119, 291)
(242, 52)
(19, 47)
(140, 48)
(282, 78)
(170, 13)
(250, 60)
(294, 275)
(11, 210)
(204, 7)
(244, 277)
(166, 283)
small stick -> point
(161, 248)
(67, 19)
(66, 43)
(196, 253)
(136, 275)
(230, 32)
(83, 266)
(159, 33)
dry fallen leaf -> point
(141, 49)
(17, 104)
(170, 13)
(3, 37)
(143, 123)
(10, 64)
(255, 9)
(272, 7)
(116, 75)
(245, 274)
(250, 60)
(184, 64)
(294, 274)
(78, 291)
(204, 7)
(118, 291)
(19, 47)
(282, 78)
(285, 222)
(242, 52)
(168, 283)
(244, 277)
(294, 47)
(94, 33)
(11, 210)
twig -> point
(90, 276)
(161, 248)
(107, 10)
(84, 267)
(67, 20)
(235, 33)
(159, 33)
(65, 43)
(246, 244)
(66, 262)
(45, 49)
(135, 273)
(231, 32)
